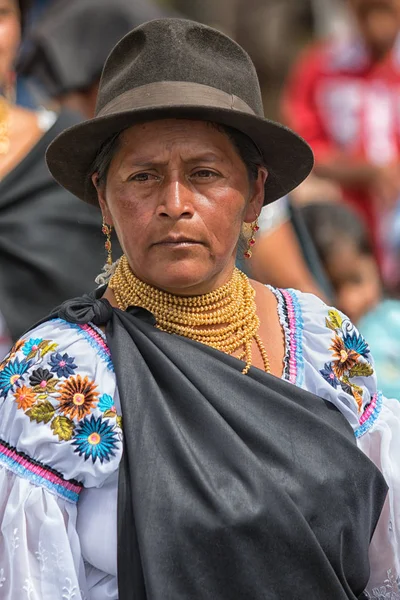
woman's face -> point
(177, 193)
(10, 34)
(379, 22)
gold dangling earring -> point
(254, 228)
(107, 229)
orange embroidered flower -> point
(344, 358)
(25, 397)
(78, 397)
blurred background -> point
(329, 69)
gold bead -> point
(224, 319)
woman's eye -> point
(204, 174)
(140, 177)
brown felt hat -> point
(176, 68)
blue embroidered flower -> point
(95, 438)
(31, 345)
(106, 403)
(62, 365)
(329, 375)
(12, 375)
(356, 342)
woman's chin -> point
(181, 277)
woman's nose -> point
(176, 200)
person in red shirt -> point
(343, 97)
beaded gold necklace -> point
(224, 319)
(4, 126)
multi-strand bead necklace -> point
(224, 319)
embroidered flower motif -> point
(107, 406)
(95, 439)
(31, 346)
(78, 397)
(43, 382)
(344, 359)
(329, 375)
(62, 365)
(11, 375)
(25, 397)
(355, 341)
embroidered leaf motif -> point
(361, 370)
(46, 388)
(63, 427)
(111, 414)
(335, 321)
(119, 421)
(48, 346)
(42, 412)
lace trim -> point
(22, 465)
(389, 590)
(95, 337)
(370, 415)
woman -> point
(233, 483)
(39, 248)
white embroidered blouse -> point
(60, 442)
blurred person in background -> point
(67, 47)
(45, 232)
(342, 96)
(343, 246)
(283, 255)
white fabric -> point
(52, 549)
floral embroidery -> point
(78, 397)
(45, 387)
(11, 375)
(344, 359)
(95, 438)
(63, 366)
(107, 406)
(43, 383)
(390, 590)
(350, 357)
(31, 346)
(329, 375)
(25, 397)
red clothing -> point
(340, 101)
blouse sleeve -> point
(59, 434)
(339, 367)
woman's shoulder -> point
(331, 357)
(58, 405)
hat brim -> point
(70, 156)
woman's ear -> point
(257, 197)
(100, 189)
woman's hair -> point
(245, 147)
(329, 223)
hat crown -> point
(179, 50)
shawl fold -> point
(230, 486)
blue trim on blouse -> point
(298, 333)
(18, 469)
(372, 418)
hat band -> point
(163, 94)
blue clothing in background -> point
(381, 327)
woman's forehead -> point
(162, 136)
